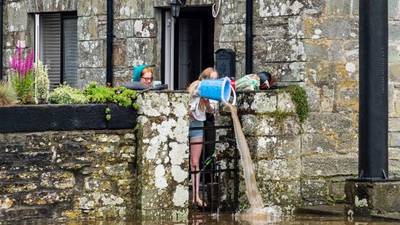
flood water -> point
(223, 219)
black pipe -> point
(373, 120)
(1, 38)
(110, 37)
(249, 36)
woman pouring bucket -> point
(205, 93)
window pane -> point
(51, 46)
(70, 51)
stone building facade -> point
(312, 43)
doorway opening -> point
(187, 46)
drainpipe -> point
(1, 38)
(373, 120)
(249, 36)
(110, 37)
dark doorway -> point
(193, 46)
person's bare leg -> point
(195, 167)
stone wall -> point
(273, 133)
(67, 174)
(163, 155)
(310, 43)
(394, 88)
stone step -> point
(326, 210)
(387, 216)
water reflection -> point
(223, 219)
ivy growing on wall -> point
(299, 98)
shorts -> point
(194, 133)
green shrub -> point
(8, 96)
(99, 94)
(65, 94)
(42, 83)
(120, 95)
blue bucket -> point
(219, 90)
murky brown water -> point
(223, 219)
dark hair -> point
(264, 76)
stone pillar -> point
(163, 155)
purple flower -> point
(20, 64)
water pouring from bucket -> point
(220, 90)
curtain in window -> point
(70, 51)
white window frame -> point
(169, 50)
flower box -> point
(36, 118)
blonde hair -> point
(146, 70)
(205, 74)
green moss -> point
(279, 116)
(299, 98)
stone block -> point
(330, 50)
(270, 8)
(347, 142)
(270, 125)
(285, 103)
(347, 97)
(319, 143)
(282, 193)
(93, 184)
(330, 165)
(278, 169)
(16, 15)
(394, 139)
(394, 124)
(140, 50)
(91, 54)
(331, 28)
(140, 8)
(87, 75)
(329, 123)
(314, 191)
(119, 56)
(263, 147)
(394, 71)
(272, 27)
(58, 180)
(84, 8)
(285, 72)
(232, 33)
(366, 198)
(98, 7)
(124, 28)
(233, 13)
(6, 202)
(394, 51)
(394, 8)
(336, 191)
(88, 28)
(14, 187)
(394, 100)
(279, 50)
(340, 8)
(264, 102)
(47, 197)
(144, 28)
